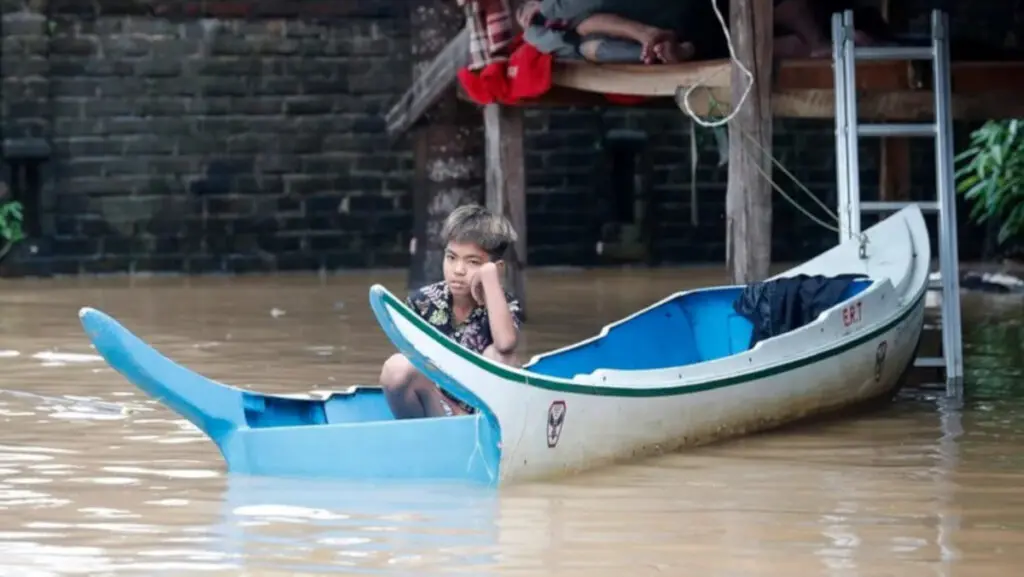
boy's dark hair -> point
(472, 223)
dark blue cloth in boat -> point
(781, 305)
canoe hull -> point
(560, 432)
(551, 426)
(340, 435)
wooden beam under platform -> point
(801, 88)
(892, 90)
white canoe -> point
(681, 372)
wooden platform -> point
(894, 90)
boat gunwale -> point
(524, 377)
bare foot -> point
(671, 52)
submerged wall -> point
(244, 135)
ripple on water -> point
(29, 559)
(107, 513)
(29, 481)
(288, 514)
(11, 498)
(87, 415)
(64, 358)
(107, 480)
(165, 473)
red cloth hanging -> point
(503, 68)
(526, 74)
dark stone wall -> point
(195, 142)
(248, 135)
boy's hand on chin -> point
(485, 274)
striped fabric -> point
(492, 29)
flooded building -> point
(249, 136)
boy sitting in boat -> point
(470, 306)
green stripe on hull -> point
(619, 391)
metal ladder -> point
(844, 59)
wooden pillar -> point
(506, 185)
(448, 150)
(748, 198)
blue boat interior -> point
(363, 406)
(692, 328)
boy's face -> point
(461, 262)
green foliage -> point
(10, 221)
(991, 175)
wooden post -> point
(748, 197)
(894, 176)
(448, 150)
(506, 185)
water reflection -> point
(290, 525)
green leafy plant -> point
(10, 221)
(991, 175)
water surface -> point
(922, 487)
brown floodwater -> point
(923, 487)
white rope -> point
(732, 57)
(735, 110)
(792, 177)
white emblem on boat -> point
(883, 347)
(556, 418)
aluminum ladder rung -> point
(919, 130)
(848, 129)
(884, 206)
(930, 362)
(877, 53)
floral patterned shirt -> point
(434, 303)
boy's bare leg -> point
(624, 50)
(409, 393)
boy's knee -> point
(397, 372)
(506, 359)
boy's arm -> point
(502, 316)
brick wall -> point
(179, 138)
(187, 142)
